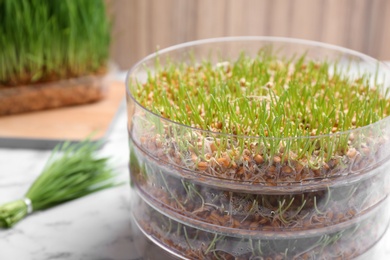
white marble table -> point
(93, 227)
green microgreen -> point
(268, 98)
(43, 40)
(71, 172)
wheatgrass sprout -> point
(270, 99)
(72, 171)
(44, 40)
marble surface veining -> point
(93, 227)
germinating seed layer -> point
(264, 96)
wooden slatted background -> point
(139, 26)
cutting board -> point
(45, 129)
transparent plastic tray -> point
(204, 194)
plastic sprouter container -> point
(204, 194)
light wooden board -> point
(44, 129)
